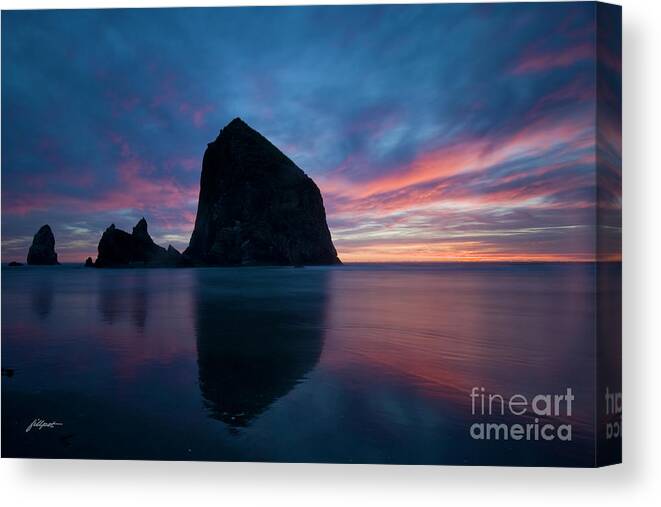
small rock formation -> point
(14, 264)
(89, 263)
(256, 206)
(174, 256)
(118, 248)
(42, 250)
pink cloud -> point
(533, 61)
(577, 90)
(470, 155)
(138, 188)
(200, 113)
(196, 114)
(610, 59)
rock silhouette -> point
(89, 263)
(42, 250)
(256, 206)
(119, 248)
(14, 264)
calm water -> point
(360, 363)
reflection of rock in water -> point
(139, 308)
(110, 303)
(42, 297)
(124, 299)
(258, 335)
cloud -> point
(417, 122)
(544, 62)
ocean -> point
(361, 363)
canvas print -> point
(337, 234)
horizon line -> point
(348, 263)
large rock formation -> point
(42, 251)
(119, 248)
(256, 206)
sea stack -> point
(118, 248)
(42, 251)
(256, 207)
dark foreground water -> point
(360, 363)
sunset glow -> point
(420, 154)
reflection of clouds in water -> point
(257, 337)
(447, 328)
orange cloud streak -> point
(472, 155)
(472, 251)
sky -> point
(435, 132)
